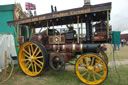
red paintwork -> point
(124, 36)
(66, 53)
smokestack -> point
(55, 9)
(35, 13)
(87, 3)
(52, 8)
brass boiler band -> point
(74, 48)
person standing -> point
(122, 42)
(116, 39)
(125, 42)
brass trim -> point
(54, 47)
(81, 48)
(63, 47)
(56, 38)
(75, 36)
(73, 47)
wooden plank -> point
(5, 63)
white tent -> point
(124, 32)
(6, 44)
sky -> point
(119, 14)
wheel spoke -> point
(38, 64)
(35, 67)
(24, 59)
(84, 60)
(40, 57)
(87, 62)
(32, 67)
(94, 76)
(26, 52)
(97, 65)
(35, 51)
(99, 69)
(84, 64)
(29, 50)
(88, 76)
(98, 62)
(84, 73)
(26, 55)
(92, 61)
(29, 66)
(98, 74)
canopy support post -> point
(108, 24)
(78, 37)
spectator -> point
(116, 45)
(125, 42)
(122, 42)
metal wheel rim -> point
(94, 73)
(31, 59)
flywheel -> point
(57, 62)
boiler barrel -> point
(82, 48)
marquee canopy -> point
(95, 12)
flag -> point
(32, 6)
(29, 6)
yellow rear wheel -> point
(87, 69)
(104, 56)
(32, 58)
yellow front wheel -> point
(32, 58)
(87, 69)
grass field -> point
(68, 77)
(119, 55)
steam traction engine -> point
(55, 47)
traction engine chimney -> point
(87, 3)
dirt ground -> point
(63, 78)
